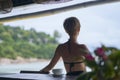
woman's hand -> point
(44, 72)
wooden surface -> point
(26, 76)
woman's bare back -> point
(73, 53)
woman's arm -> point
(53, 61)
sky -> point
(99, 25)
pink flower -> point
(104, 57)
(89, 57)
(100, 52)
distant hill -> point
(15, 41)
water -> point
(36, 66)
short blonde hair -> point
(71, 25)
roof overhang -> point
(54, 10)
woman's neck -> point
(73, 40)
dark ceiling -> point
(21, 2)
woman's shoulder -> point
(82, 45)
(61, 47)
(63, 44)
(83, 48)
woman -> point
(71, 52)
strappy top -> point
(71, 63)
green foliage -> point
(86, 76)
(56, 34)
(115, 59)
(15, 41)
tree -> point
(15, 41)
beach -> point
(20, 60)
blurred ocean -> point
(36, 66)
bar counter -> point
(26, 76)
